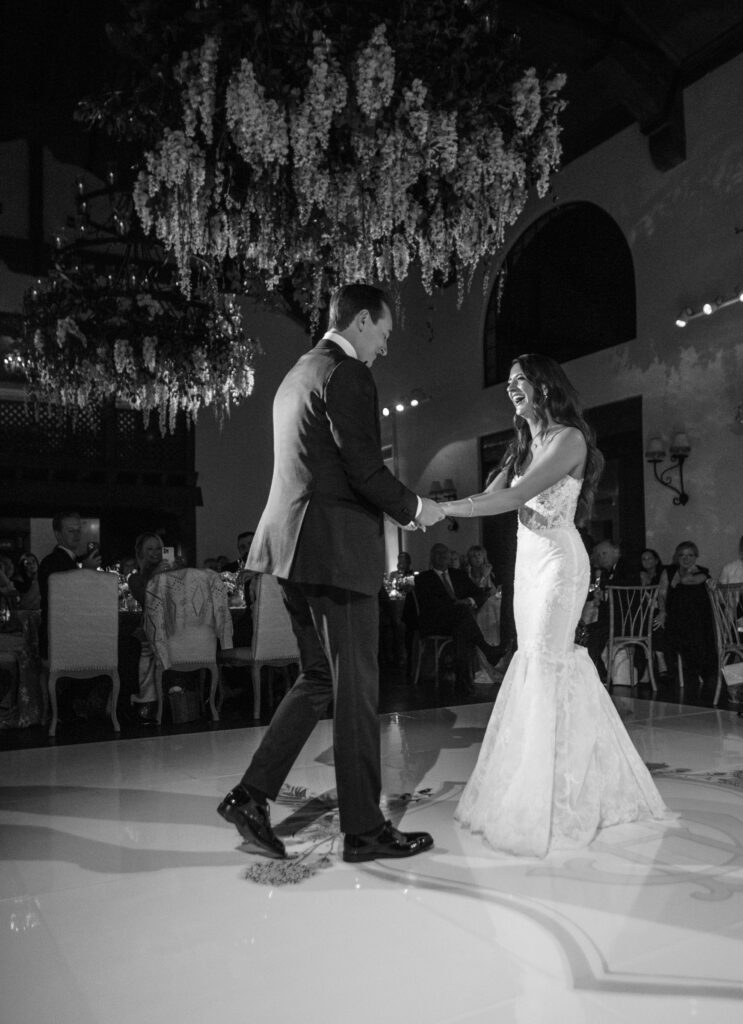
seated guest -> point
(404, 563)
(455, 560)
(8, 591)
(127, 566)
(447, 601)
(651, 574)
(244, 540)
(612, 571)
(67, 528)
(148, 550)
(480, 571)
(689, 622)
(733, 571)
(210, 563)
(26, 582)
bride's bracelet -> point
(472, 508)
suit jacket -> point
(56, 561)
(323, 522)
(433, 597)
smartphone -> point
(168, 555)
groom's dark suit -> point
(322, 534)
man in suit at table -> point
(447, 602)
(67, 528)
(322, 535)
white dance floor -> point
(124, 897)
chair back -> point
(273, 637)
(185, 613)
(727, 607)
(83, 621)
(631, 612)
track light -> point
(708, 309)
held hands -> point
(431, 513)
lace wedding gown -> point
(556, 763)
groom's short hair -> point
(350, 299)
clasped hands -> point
(430, 514)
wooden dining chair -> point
(273, 643)
(727, 607)
(83, 632)
(439, 642)
(631, 614)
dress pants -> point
(337, 633)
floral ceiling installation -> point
(112, 324)
(305, 142)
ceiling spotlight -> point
(400, 407)
(707, 308)
(385, 411)
(680, 321)
(413, 402)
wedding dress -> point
(556, 764)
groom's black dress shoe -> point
(387, 842)
(251, 819)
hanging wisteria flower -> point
(301, 150)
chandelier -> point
(307, 144)
(112, 324)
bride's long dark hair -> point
(554, 394)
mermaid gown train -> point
(556, 763)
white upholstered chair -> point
(83, 632)
(186, 613)
(273, 644)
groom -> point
(321, 534)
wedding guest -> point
(688, 620)
(26, 582)
(448, 601)
(733, 571)
(67, 528)
(404, 563)
(8, 590)
(148, 550)
(455, 560)
(480, 571)
(651, 568)
(651, 574)
(244, 540)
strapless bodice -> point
(552, 508)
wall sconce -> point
(679, 451)
(445, 492)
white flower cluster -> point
(355, 175)
(375, 74)
(150, 355)
(258, 125)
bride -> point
(556, 764)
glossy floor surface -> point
(125, 898)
